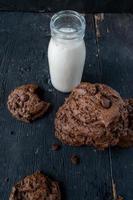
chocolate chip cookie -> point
(25, 104)
(36, 187)
(93, 114)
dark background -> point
(79, 5)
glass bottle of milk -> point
(66, 51)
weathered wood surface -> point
(115, 44)
(25, 148)
(87, 6)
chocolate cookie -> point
(127, 141)
(36, 187)
(24, 103)
(93, 114)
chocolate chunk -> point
(97, 89)
(105, 102)
(75, 160)
(24, 97)
(94, 90)
(56, 147)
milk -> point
(66, 51)
(66, 62)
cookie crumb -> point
(6, 179)
(12, 132)
(120, 198)
(56, 147)
(75, 160)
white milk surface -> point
(66, 63)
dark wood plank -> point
(25, 148)
(91, 6)
(115, 44)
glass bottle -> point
(66, 51)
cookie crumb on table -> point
(75, 159)
(120, 198)
(56, 147)
(6, 179)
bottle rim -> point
(68, 35)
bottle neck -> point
(68, 25)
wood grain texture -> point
(87, 6)
(25, 148)
(115, 47)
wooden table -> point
(25, 148)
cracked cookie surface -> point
(93, 114)
(25, 104)
(36, 187)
